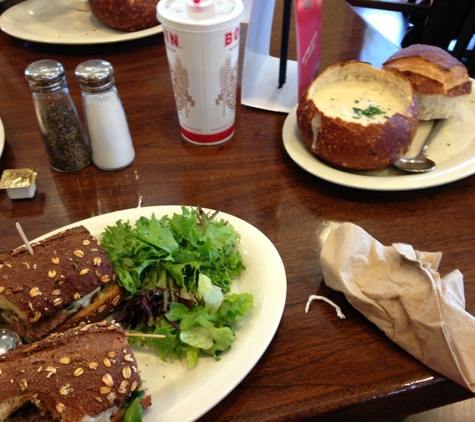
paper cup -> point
(202, 42)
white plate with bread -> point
(2, 137)
(181, 394)
(453, 150)
(63, 22)
(355, 121)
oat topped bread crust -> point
(36, 291)
(80, 372)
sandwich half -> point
(68, 280)
(83, 374)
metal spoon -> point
(420, 163)
(8, 340)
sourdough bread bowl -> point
(358, 117)
(125, 15)
(439, 79)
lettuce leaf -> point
(177, 273)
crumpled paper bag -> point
(399, 289)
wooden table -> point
(317, 367)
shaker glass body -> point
(109, 133)
(58, 121)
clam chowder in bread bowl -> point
(439, 79)
(358, 117)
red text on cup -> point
(171, 39)
(230, 37)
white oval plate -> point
(180, 394)
(2, 137)
(59, 22)
(453, 150)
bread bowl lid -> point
(430, 53)
(199, 15)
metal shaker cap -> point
(95, 75)
(45, 76)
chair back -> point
(448, 24)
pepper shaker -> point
(109, 134)
(61, 130)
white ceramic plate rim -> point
(58, 22)
(2, 137)
(179, 394)
(453, 150)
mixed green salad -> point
(177, 273)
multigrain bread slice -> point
(82, 374)
(439, 79)
(69, 279)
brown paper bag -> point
(399, 289)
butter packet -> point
(19, 183)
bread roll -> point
(125, 15)
(439, 79)
(358, 117)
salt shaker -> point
(109, 134)
(61, 130)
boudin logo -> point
(230, 37)
(171, 38)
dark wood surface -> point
(317, 367)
